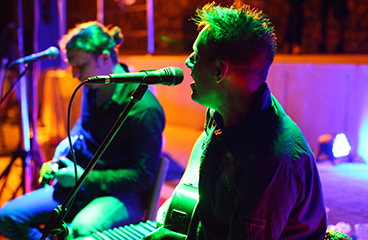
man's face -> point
(203, 69)
(84, 64)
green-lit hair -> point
(242, 35)
(94, 38)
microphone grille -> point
(177, 74)
(52, 52)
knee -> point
(7, 218)
(82, 228)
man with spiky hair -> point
(258, 178)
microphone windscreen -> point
(179, 75)
(53, 52)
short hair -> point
(93, 38)
(242, 35)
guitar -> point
(49, 168)
(181, 214)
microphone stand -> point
(11, 89)
(55, 225)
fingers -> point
(164, 234)
(45, 180)
(47, 172)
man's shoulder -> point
(150, 100)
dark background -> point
(174, 33)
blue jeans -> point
(20, 218)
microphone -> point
(51, 52)
(166, 76)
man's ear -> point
(221, 68)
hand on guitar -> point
(62, 169)
(47, 173)
(66, 174)
(164, 234)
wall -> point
(321, 93)
(324, 97)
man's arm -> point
(49, 168)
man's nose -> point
(189, 61)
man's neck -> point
(235, 109)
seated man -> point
(258, 178)
(112, 194)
